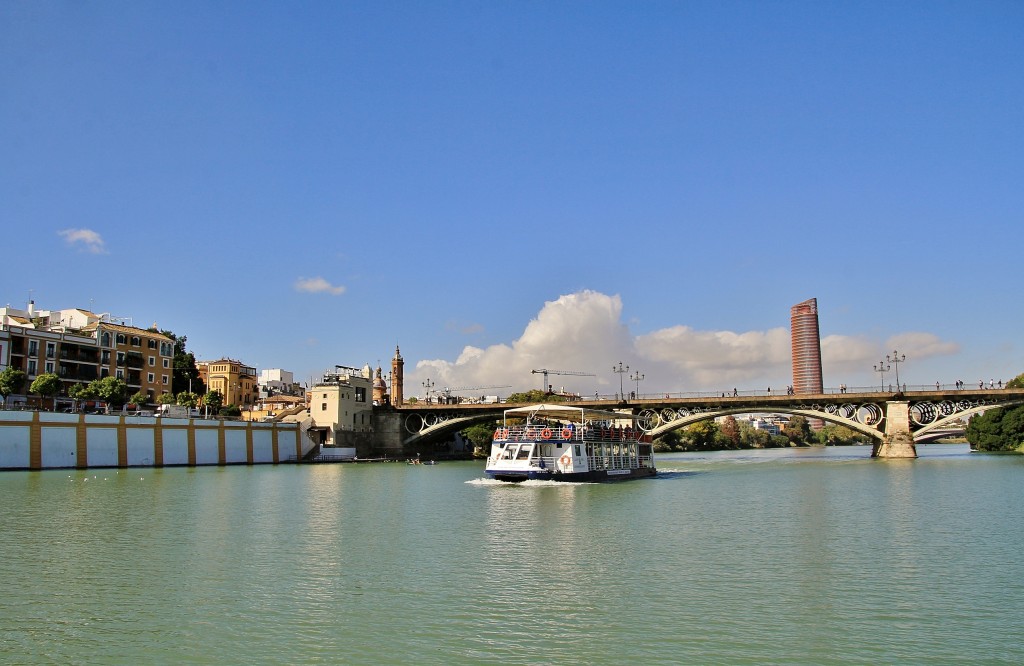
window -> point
(150, 377)
(49, 366)
(323, 407)
(152, 361)
(105, 339)
(51, 350)
(31, 367)
(151, 343)
(167, 362)
(121, 339)
(119, 373)
(105, 356)
(164, 377)
(33, 347)
(120, 358)
(136, 341)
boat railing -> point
(566, 433)
(594, 462)
(619, 461)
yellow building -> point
(237, 383)
(79, 346)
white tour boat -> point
(560, 442)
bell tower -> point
(396, 378)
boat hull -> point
(594, 476)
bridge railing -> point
(783, 391)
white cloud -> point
(318, 285)
(584, 332)
(714, 359)
(921, 345)
(85, 240)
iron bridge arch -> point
(865, 413)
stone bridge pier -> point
(897, 442)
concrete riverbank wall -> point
(47, 440)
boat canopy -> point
(567, 412)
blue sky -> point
(506, 186)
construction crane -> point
(545, 372)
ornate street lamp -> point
(428, 385)
(620, 371)
(881, 368)
(896, 359)
(637, 377)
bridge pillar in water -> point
(897, 441)
(387, 433)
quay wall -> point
(48, 440)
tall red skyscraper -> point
(806, 341)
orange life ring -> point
(545, 433)
(564, 460)
(566, 433)
(497, 434)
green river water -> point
(815, 556)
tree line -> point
(1000, 429)
(187, 388)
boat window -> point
(577, 449)
(524, 452)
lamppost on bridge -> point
(896, 359)
(620, 371)
(428, 386)
(637, 377)
(881, 369)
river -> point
(817, 556)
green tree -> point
(760, 439)
(535, 395)
(669, 441)
(46, 385)
(165, 399)
(1000, 429)
(230, 410)
(481, 435)
(11, 381)
(798, 431)
(833, 434)
(139, 398)
(82, 392)
(186, 399)
(702, 436)
(186, 374)
(112, 390)
(214, 400)
(997, 430)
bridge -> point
(894, 422)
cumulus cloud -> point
(86, 240)
(318, 285)
(921, 345)
(584, 333)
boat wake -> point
(529, 483)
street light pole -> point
(428, 385)
(896, 359)
(620, 371)
(881, 369)
(637, 377)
